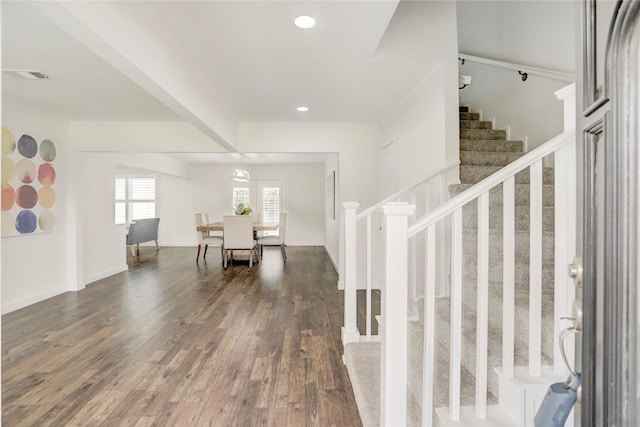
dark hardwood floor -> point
(175, 343)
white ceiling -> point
(355, 65)
(250, 51)
(251, 158)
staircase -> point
(484, 151)
(489, 342)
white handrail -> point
(488, 183)
(378, 205)
(552, 74)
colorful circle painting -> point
(27, 146)
(47, 197)
(47, 221)
(29, 194)
(26, 196)
(46, 174)
(26, 171)
(8, 141)
(48, 150)
(26, 222)
(8, 197)
(8, 169)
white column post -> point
(565, 225)
(393, 355)
(350, 329)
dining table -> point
(257, 226)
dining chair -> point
(238, 235)
(205, 238)
(278, 240)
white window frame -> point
(256, 188)
(128, 200)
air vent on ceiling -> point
(29, 74)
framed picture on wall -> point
(330, 190)
(28, 183)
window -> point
(240, 195)
(135, 198)
(268, 197)
(270, 204)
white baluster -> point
(429, 327)
(508, 276)
(535, 268)
(393, 349)
(369, 266)
(350, 331)
(482, 311)
(456, 315)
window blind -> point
(135, 198)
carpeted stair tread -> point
(523, 192)
(521, 310)
(491, 145)
(470, 244)
(488, 158)
(489, 134)
(469, 116)
(475, 174)
(475, 124)
(469, 323)
(363, 362)
(496, 217)
(470, 271)
(463, 109)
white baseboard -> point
(102, 275)
(333, 261)
(32, 299)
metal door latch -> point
(575, 271)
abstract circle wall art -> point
(8, 142)
(8, 197)
(8, 169)
(46, 174)
(26, 222)
(47, 221)
(29, 174)
(47, 150)
(47, 197)
(26, 171)
(27, 146)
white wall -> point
(36, 267)
(332, 226)
(357, 147)
(103, 241)
(179, 198)
(424, 125)
(535, 33)
(304, 196)
(530, 108)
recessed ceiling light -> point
(305, 22)
(302, 109)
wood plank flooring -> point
(172, 342)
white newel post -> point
(393, 355)
(350, 329)
(565, 226)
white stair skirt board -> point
(521, 396)
(363, 364)
(496, 417)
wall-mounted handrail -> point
(552, 74)
(412, 187)
(491, 181)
